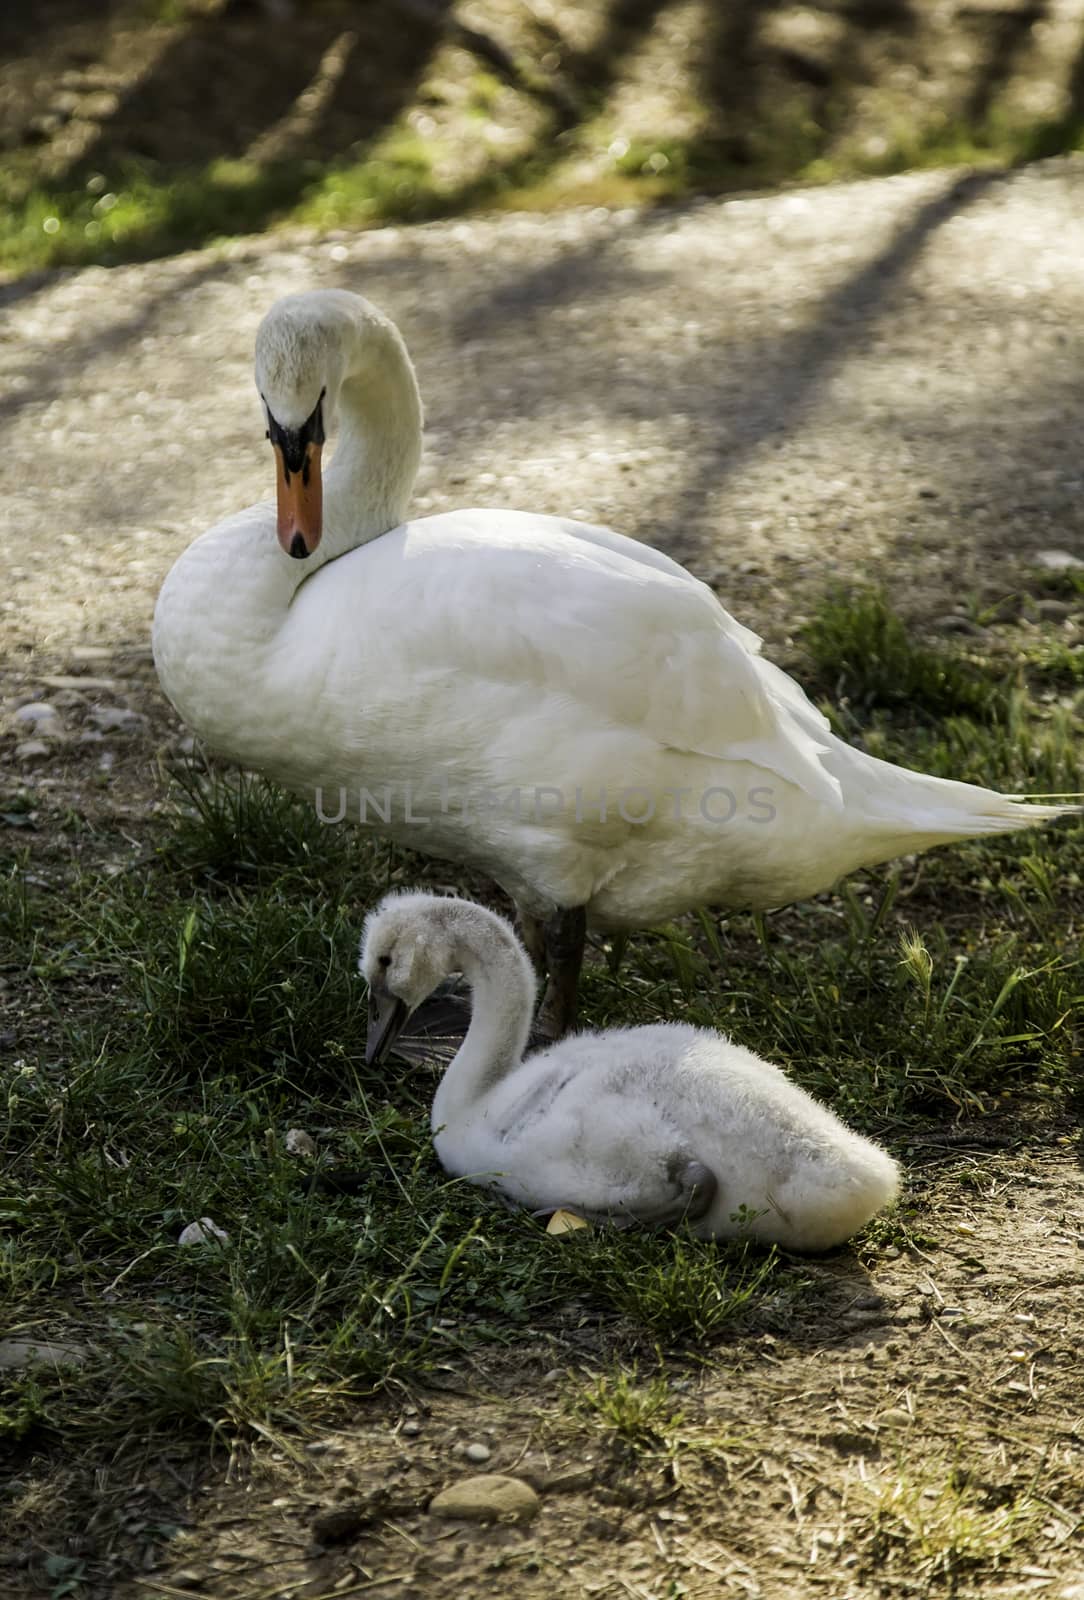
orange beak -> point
(300, 502)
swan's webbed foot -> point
(695, 1189)
(692, 1189)
(699, 1186)
(565, 935)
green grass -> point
(641, 1415)
(194, 1010)
(150, 211)
(864, 653)
(941, 1528)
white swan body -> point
(562, 708)
(645, 1124)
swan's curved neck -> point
(368, 485)
(502, 988)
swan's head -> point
(302, 349)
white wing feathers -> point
(679, 669)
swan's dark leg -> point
(533, 933)
(565, 935)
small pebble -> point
(1053, 610)
(205, 1231)
(337, 1522)
(476, 1454)
(113, 719)
(42, 718)
(67, 681)
(411, 1429)
(17, 1353)
(31, 750)
(566, 1222)
(955, 624)
(299, 1143)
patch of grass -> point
(150, 211)
(235, 828)
(1031, 751)
(17, 906)
(1054, 663)
(641, 1415)
(944, 1529)
(685, 1288)
(1064, 583)
(394, 183)
(864, 652)
(218, 1007)
(146, 213)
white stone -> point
(42, 718)
(114, 718)
(1057, 560)
(31, 750)
(16, 1353)
(205, 1231)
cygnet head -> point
(412, 941)
(303, 347)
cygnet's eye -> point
(384, 961)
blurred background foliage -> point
(130, 128)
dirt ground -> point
(879, 380)
(837, 1449)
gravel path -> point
(882, 378)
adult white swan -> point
(648, 1124)
(562, 708)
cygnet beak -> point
(387, 1014)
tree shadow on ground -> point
(287, 100)
(808, 356)
(239, 117)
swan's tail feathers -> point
(1002, 813)
(921, 810)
